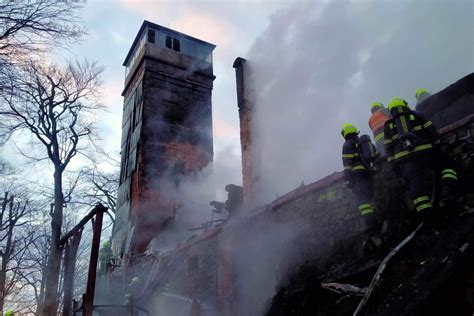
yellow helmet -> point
(376, 105)
(348, 129)
(396, 102)
(421, 92)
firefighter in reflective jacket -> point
(376, 122)
(359, 175)
(410, 145)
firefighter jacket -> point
(377, 121)
(351, 159)
(423, 133)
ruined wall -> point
(234, 268)
(307, 222)
(166, 134)
(452, 111)
(451, 104)
(197, 273)
(176, 138)
(130, 171)
(172, 281)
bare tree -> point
(13, 245)
(33, 267)
(58, 107)
(99, 186)
(30, 28)
(34, 26)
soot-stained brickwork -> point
(166, 130)
(248, 138)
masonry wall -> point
(176, 139)
(130, 165)
(166, 135)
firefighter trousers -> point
(418, 172)
(363, 189)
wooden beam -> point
(91, 277)
(84, 220)
(70, 256)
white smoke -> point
(321, 64)
(193, 196)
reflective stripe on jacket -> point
(377, 121)
(423, 131)
(351, 156)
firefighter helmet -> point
(348, 129)
(396, 102)
(377, 105)
(420, 92)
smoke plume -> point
(321, 64)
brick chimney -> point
(248, 139)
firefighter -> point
(105, 257)
(358, 171)
(410, 141)
(131, 291)
(376, 122)
(421, 95)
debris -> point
(341, 288)
(381, 268)
(464, 247)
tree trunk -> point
(7, 251)
(50, 307)
(4, 263)
(3, 279)
(2, 289)
(40, 302)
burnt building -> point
(302, 253)
(166, 130)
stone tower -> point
(166, 130)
